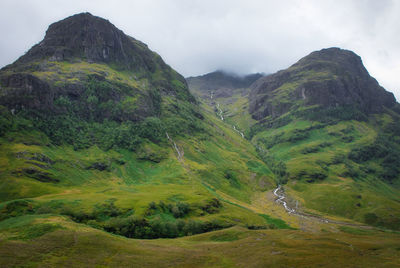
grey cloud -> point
(200, 36)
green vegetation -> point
(275, 223)
(356, 231)
(77, 245)
(383, 150)
(326, 155)
(325, 162)
(98, 117)
(106, 157)
(140, 192)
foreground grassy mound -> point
(63, 243)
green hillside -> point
(124, 150)
(329, 132)
(107, 160)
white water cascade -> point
(281, 199)
(180, 154)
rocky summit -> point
(82, 52)
(329, 78)
(94, 39)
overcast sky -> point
(200, 36)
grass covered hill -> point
(115, 141)
(107, 160)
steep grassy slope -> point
(328, 131)
(95, 186)
(331, 132)
(120, 147)
(318, 163)
(228, 92)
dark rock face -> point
(91, 38)
(330, 77)
(25, 91)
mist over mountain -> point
(222, 79)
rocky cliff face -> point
(94, 39)
(329, 78)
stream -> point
(281, 199)
(180, 154)
(238, 131)
(220, 114)
(279, 193)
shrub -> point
(383, 151)
(177, 210)
(106, 210)
(298, 135)
(277, 167)
(212, 206)
(152, 129)
(230, 175)
(16, 208)
(332, 115)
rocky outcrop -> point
(329, 78)
(25, 91)
(94, 39)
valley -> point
(110, 158)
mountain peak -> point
(335, 59)
(90, 38)
(42, 76)
(221, 79)
(333, 53)
(329, 78)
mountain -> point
(329, 78)
(86, 51)
(221, 83)
(97, 127)
(104, 150)
(328, 131)
(228, 89)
